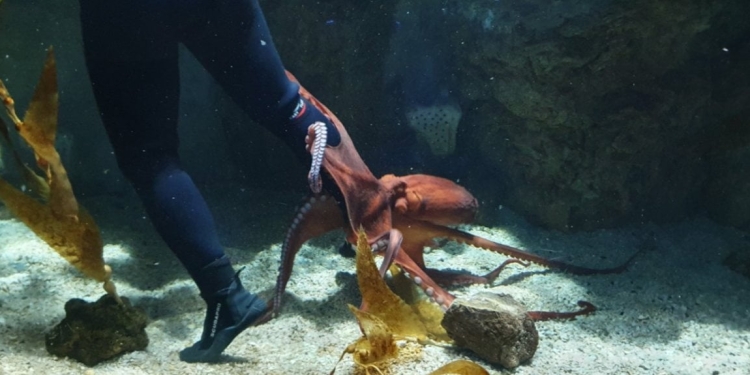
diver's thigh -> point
(138, 30)
(234, 44)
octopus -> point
(401, 215)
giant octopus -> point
(401, 215)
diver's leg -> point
(234, 44)
(135, 79)
(131, 55)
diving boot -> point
(231, 310)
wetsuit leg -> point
(131, 55)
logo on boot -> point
(216, 320)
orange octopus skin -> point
(400, 215)
(430, 198)
(367, 204)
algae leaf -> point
(380, 300)
(388, 318)
(460, 367)
(377, 325)
(57, 218)
(428, 313)
(35, 184)
(378, 343)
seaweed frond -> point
(54, 214)
(389, 318)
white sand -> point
(678, 310)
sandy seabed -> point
(677, 310)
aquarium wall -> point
(576, 115)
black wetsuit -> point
(131, 54)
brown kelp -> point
(51, 211)
(389, 318)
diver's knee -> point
(142, 170)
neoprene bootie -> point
(231, 309)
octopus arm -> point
(319, 215)
(436, 231)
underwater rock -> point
(494, 326)
(94, 332)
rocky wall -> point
(597, 112)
